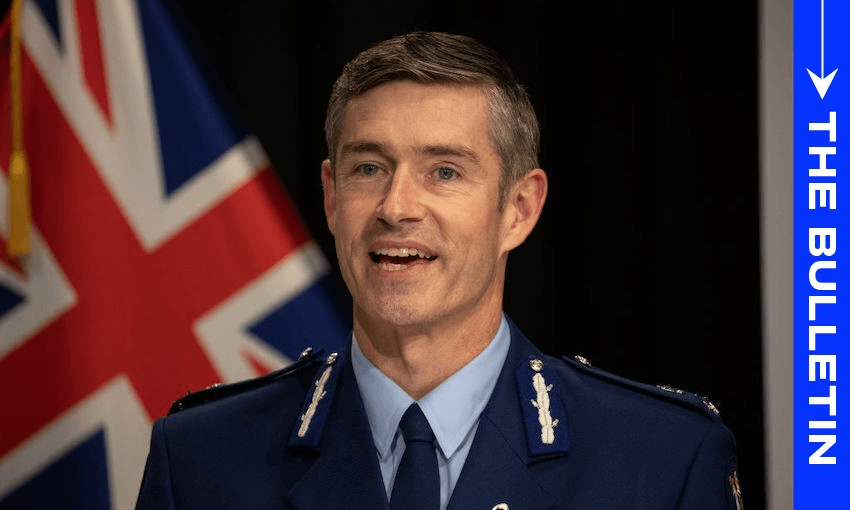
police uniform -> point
(554, 434)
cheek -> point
(351, 223)
(477, 237)
(347, 216)
(480, 223)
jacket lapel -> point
(346, 473)
(499, 468)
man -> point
(440, 402)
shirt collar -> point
(384, 400)
(468, 389)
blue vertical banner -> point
(821, 239)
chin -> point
(400, 312)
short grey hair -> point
(440, 58)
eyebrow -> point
(460, 151)
(359, 147)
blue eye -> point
(369, 169)
(445, 173)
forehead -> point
(406, 113)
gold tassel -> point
(19, 192)
(19, 205)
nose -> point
(402, 200)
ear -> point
(329, 192)
(523, 206)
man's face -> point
(412, 203)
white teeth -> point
(390, 267)
(400, 252)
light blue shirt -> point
(452, 409)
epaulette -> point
(669, 393)
(542, 409)
(317, 404)
(219, 391)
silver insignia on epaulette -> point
(306, 352)
(709, 404)
(582, 360)
(318, 394)
(669, 388)
(501, 506)
(547, 425)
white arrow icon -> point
(821, 83)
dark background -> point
(646, 259)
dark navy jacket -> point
(621, 445)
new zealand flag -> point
(165, 256)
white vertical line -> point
(821, 39)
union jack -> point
(165, 256)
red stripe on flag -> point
(259, 367)
(91, 55)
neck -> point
(419, 358)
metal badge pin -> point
(582, 360)
(669, 388)
(547, 425)
(318, 394)
(536, 365)
(709, 404)
(501, 506)
(306, 352)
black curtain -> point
(646, 260)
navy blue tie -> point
(417, 481)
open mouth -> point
(395, 259)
